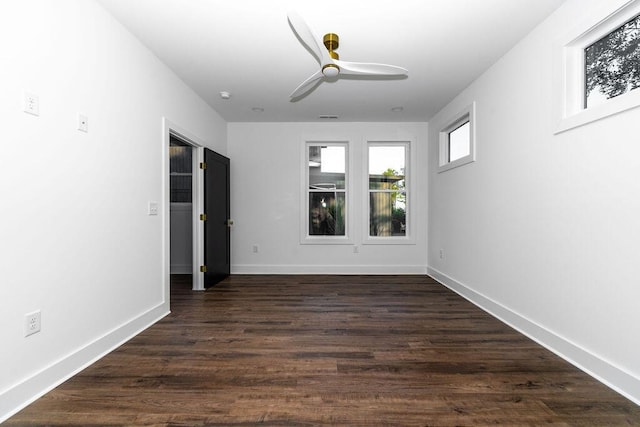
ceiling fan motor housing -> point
(330, 70)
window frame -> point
(411, 224)
(570, 108)
(458, 120)
(305, 237)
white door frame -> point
(169, 128)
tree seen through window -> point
(387, 190)
(612, 64)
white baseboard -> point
(327, 269)
(19, 396)
(612, 376)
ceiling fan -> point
(330, 64)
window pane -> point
(387, 214)
(327, 167)
(459, 140)
(387, 196)
(326, 213)
(612, 64)
(386, 167)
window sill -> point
(457, 163)
(391, 240)
(326, 240)
(608, 108)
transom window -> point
(600, 63)
(612, 64)
(458, 141)
(457, 144)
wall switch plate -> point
(31, 104)
(153, 208)
(356, 249)
(32, 323)
(256, 249)
(83, 123)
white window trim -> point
(410, 179)
(305, 238)
(570, 111)
(467, 114)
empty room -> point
(305, 213)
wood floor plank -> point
(328, 350)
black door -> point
(217, 236)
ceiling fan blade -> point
(306, 85)
(307, 37)
(355, 68)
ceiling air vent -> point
(327, 116)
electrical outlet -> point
(153, 208)
(31, 323)
(31, 104)
(356, 249)
(83, 123)
(441, 253)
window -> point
(457, 142)
(387, 192)
(601, 66)
(612, 64)
(326, 192)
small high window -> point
(458, 141)
(600, 63)
(612, 64)
(457, 144)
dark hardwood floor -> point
(337, 350)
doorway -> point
(196, 237)
(181, 187)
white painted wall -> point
(266, 200)
(543, 229)
(76, 240)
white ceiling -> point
(246, 47)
